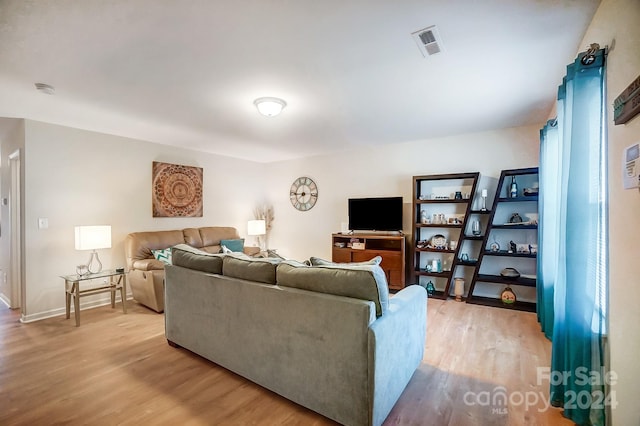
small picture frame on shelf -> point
(455, 219)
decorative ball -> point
(82, 269)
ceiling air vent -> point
(428, 41)
(45, 88)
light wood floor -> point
(118, 369)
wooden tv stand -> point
(390, 247)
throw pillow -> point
(236, 245)
(316, 261)
(163, 255)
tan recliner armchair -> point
(146, 274)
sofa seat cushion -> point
(366, 282)
(193, 258)
(241, 266)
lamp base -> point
(94, 265)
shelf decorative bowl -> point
(510, 273)
(515, 218)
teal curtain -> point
(548, 208)
(573, 229)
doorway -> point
(15, 211)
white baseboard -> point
(62, 311)
(4, 299)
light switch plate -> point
(43, 223)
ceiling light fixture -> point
(270, 107)
(45, 88)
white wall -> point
(616, 25)
(384, 171)
(76, 177)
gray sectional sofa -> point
(326, 337)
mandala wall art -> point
(176, 190)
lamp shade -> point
(256, 227)
(270, 107)
(93, 237)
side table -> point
(117, 281)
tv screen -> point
(375, 214)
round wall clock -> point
(303, 193)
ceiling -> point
(186, 73)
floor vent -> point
(428, 41)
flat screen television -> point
(375, 214)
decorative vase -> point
(436, 265)
(458, 288)
(513, 191)
(483, 207)
(508, 296)
(475, 228)
(430, 288)
(424, 217)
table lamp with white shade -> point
(257, 228)
(93, 237)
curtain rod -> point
(590, 54)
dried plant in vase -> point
(265, 213)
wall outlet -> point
(43, 223)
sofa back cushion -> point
(193, 258)
(241, 266)
(192, 237)
(208, 238)
(367, 282)
(212, 235)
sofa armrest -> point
(396, 347)
(147, 264)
